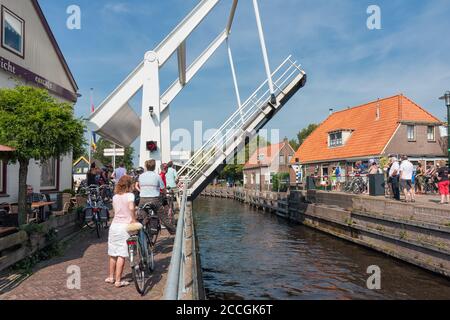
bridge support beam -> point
(151, 110)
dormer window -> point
(335, 139)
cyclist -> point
(171, 176)
(150, 185)
(93, 176)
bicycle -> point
(357, 185)
(430, 186)
(141, 247)
(169, 207)
(96, 214)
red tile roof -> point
(6, 149)
(370, 135)
(266, 156)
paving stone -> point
(49, 280)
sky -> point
(347, 64)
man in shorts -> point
(406, 175)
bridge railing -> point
(176, 284)
(236, 125)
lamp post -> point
(446, 98)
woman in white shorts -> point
(124, 214)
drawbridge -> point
(116, 121)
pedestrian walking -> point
(171, 176)
(119, 172)
(443, 177)
(420, 179)
(406, 176)
(395, 178)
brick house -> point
(394, 125)
(267, 162)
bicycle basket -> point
(88, 214)
(104, 215)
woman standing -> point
(125, 213)
(420, 179)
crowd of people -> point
(151, 188)
(401, 176)
(404, 177)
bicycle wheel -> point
(138, 270)
(98, 228)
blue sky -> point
(347, 64)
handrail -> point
(238, 112)
(237, 123)
(175, 282)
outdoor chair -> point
(67, 205)
(6, 207)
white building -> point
(29, 54)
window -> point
(411, 133)
(431, 133)
(336, 139)
(49, 174)
(13, 30)
(2, 177)
(282, 160)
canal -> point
(248, 254)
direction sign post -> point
(114, 153)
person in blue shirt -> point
(171, 176)
(150, 185)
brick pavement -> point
(49, 279)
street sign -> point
(114, 152)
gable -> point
(42, 55)
(373, 126)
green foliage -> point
(235, 169)
(33, 228)
(70, 191)
(37, 125)
(53, 249)
(303, 135)
(280, 182)
(103, 144)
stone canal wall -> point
(416, 233)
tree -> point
(235, 170)
(103, 144)
(39, 127)
(303, 135)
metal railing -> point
(176, 286)
(240, 121)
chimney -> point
(331, 111)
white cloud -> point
(119, 7)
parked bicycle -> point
(96, 214)
(430, 186)
(356, 185)
(141, 247)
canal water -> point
(248, 254)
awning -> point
(6, 149)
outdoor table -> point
(41, 206)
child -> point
(124, 214)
